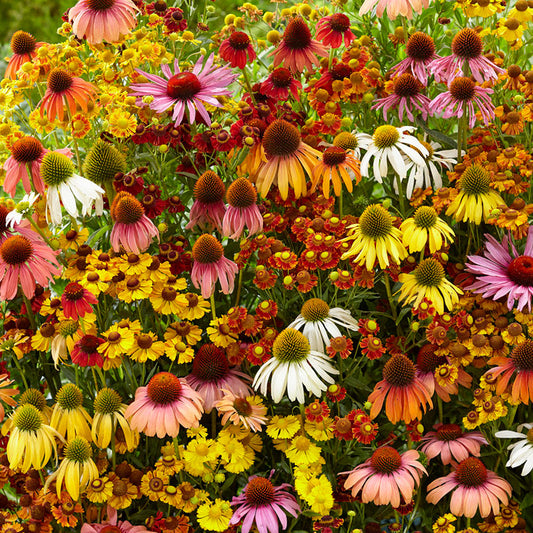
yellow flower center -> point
(386, 136)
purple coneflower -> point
(263, 504)
(420, 50)
(186, 90)
(242, 211)
(467, 46)
(460, 97)
(500, 273)
(405, 97)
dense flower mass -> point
(267, 266)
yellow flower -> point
(510, 29)
(118, 341)
(166, 300)
(320, 431)
(428, 281)
(198, 453)
(99, 490)
(134, 288)
(283, 427)
(219, 332)
(133, 264)
(302, 451)
(153, 484)
(183, 331)
(373, 238)
(423, 228)
(169, 465)
(320, 498)
(146, 346)
(42, 339)
(196, 308)
(177, 348)
(69, 417)
(444, 524)
(446, 375)
(214, 516)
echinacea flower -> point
(474, 487)
(211, 373)
(242, 211)
(334, 29)
(406, 97)
(103, 20)
(319, 323)
(132, 229)
(476, 199)
(280, 84)
(294, 368)
(522, 450)
(425, 228)
(405, 394)
(77, 301)
(67, 188)
(113, 525)
(246, 410)
(69, 418)
(420, 50)
(297, 49)
(31, 442)
(394, 146)
(210, 266)
(373, 238)
(165, 404)
(263, 505)
(394, 7)
(386, 477)
(208, 208)
(460, 98)
(338, 166)
(428, 280)
(186, 90)
(450, 443)
(237, 50)
(500, 273)
(288, 159)
(64, 91)
(26, 262)
(24, 48)
(467, 47)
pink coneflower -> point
(262, 504)
(112, 525)
(519, 365)
(405, 394)
(28, 262)
(103, 20)
(85, 351)
(386, 477)
(24, 48)
(297, 48)
(420, 49)
(165, 404)
(132, 230)
(210, 266)
(186, 90)
(242, 211)
(211, 373)
(502, 274)
(280, 83)
(334, 29)
(246, 410)
(405, 97)
(77, 301)
(452, 444)
(64, 90)
(460, 98)
(467, 46)
(208, 208)
(474, 487)
(26, 154)
(394, 7)
(237, 50)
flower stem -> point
(213, 306)
(389, 296)
(29, 311)
(239, 286)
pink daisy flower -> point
(280, 83)
(24, 48)
(502, 274)
(297, 49)
(132, 230)
(211, 373)
(394, 7)
(77, 301)
(246, 410)
(386, 477)
(186, 90)
(242, 211)
(26, 262)
(467, 47)
(165, 404)
(210, 266)
(237, 50)
(449, 441)
(460, 98)
(334, 29)
(405, 98)
(103, 20)
(112, 525)
(474, 488)
(264, 505)
(208, 208)
(420, 50)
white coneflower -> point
(15, 216)
(521, 451)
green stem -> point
(239, 286)
(19, 368)
(400, 195)
(248, 85)
(213, 306)
(389, 296)
(29, 311)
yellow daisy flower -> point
(166, 300)
(196, 308)
(42, 338)
(99, 490)
(73, 238)
(302, 451)
(153, 484)
(146, 346)
(198, 453)
(158, 271)
(118, 340)
(134, 288)
(214, 516)
(283, 427)
(219, 332)
(183, 331)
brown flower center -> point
(209, 188)
(522, 356)
(448, 432)
(126, 209)
(27, 150)
(462, 88)
(406, 85)
(210, 363)
(207, 249)
(281, 77)
(386, 460)
(164, 388)
(297, 35)
(100, 5)
(281, 139)
(467, 44)
(239, 40)
(242, 406)
(420, 46)
(144, 341)
(73, 292)
(59, 80)
(399, 371)
(241, 193)
(471, 472)
(259, 491)
(335, 155)
(16, 250)
(23, 43)
(339, 22)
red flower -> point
(237, 50)
(332, 30)
(77, 301)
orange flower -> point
(6, 394)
